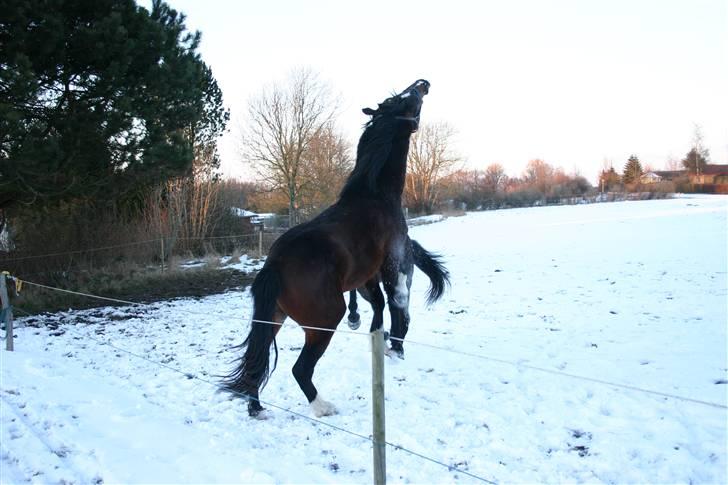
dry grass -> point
(131, 281)
(142, 285)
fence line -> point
(79, 251)
(135, 243)
(205, 238)
(566, 374)
(190, 375)
(516, 364)
(115, 300)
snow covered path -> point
(633, 293)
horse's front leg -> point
(376, 298)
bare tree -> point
(430, 159)
(673, 164)
(697, 158)
(495, 178)
(327, 163)
(539, 175)
(282, 121)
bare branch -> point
(283, 119)
(430, 160)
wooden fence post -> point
(378, 421)
(7, 312)
(161, 241)
(260, 242)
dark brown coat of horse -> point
(346, 247)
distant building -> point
(712, 175)
(253, 218)
(670, 175)
(650, 178)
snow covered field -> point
(632, 292)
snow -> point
(431, 219)
(628, 292)
(245, 263)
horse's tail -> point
(431, 264)
(252, 372)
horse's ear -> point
(368, 111)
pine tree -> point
(609, 179)
(695, 160)
(632, 171)
(99, 99)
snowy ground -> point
(630, 292)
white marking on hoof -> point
(393, 353)
(322, 408)
(263, 415)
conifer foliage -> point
(99, 99)
(632, 170)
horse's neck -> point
(393, 175)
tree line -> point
(109, 123)
(630, 179)
(291, 140)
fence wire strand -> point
(80, 251)
(129, 244)
(516, 364)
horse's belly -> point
(362, 270)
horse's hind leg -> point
(325, 312)
(397, 279)
(313, 349)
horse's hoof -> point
(262, 415)
(354, 321)
(394, 353)
(322, 408)
(254, 409)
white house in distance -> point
(255, 218)
(650, 178)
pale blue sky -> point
(571, 82)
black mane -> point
(372, 153)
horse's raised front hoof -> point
(354, 321)
(322, 408)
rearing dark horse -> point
(347, 246)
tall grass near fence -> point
(105, 246)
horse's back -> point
(338, 251)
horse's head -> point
(382, 149)
(404, 106)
